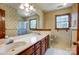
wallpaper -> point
(11, 20)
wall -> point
(49, 17)
(63, 37)
(11, 20)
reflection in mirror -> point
(28, 19)
(22, 27)
(33, 23)
(17, 18)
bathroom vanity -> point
(29, 44)
(39, 48)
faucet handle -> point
(9, 41)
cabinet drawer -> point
(38, 51)
(43, 44)
(46, 40)
(37, 45)
(43, 41)
(42, 50)
(46, 46)
(28, 51)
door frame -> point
(77, 48)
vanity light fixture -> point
(27, 7)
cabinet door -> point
(38, 51)
(2, 24)
(37, 45)
(43, 46)
(37, 48)
(2, 29)
(28, 51)
(47, 42)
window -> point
(22, 27)
(62, 21)
(33, 24)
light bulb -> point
(31, 8)
(21, 6)
(27, 10)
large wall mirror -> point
(19, 19)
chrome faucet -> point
(9, 41)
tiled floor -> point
(61, 45)
(53, 51)
(59, 48)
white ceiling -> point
(13, 5)
(20, 12)
(46, 7)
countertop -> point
(30, 39)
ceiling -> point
(20, 12)
(46, 7)
(13, 5)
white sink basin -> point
(15, 45)
(11, 47)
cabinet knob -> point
(76, 43)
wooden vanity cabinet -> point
(38, 51)
(43, 46)
(38, 48)
(47, 42)
(28, 51)
(37, 45)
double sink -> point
(18, 44)
(5, 48)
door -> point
(2, 24)
(76, 42)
